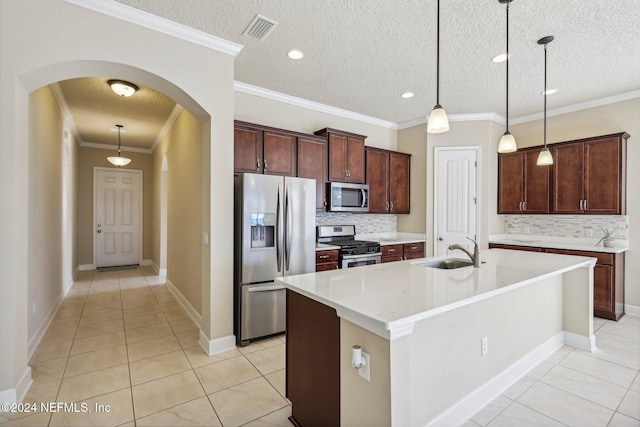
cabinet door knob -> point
(391, 205)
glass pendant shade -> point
(438, 121)
(118, 160)
(544, 158)
(507, 143)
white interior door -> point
(455, 197)
(117, 216)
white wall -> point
(45, 42)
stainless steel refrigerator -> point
(274, 237)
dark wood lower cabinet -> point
(608, 278)
(327, 260)
(313, 362)
(400, 252)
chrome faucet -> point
(475, 257)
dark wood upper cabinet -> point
(260, 149)
(589, 176)
(312, 163)
(247, 149)
(388, 174)
(523, 186)
(346, 155)
(399, 182)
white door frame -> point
(436, 173)
(95, 223)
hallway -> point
(121, 339)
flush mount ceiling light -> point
(438, 121)
(507, 143)
(119, 160)
(545, 157)
(407, 95)
(122, 88)
(295, 54)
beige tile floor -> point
(577, 388)
(121, 339)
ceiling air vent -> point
(260, 28)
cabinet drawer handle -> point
(392, 250)
(414, 247)
(324, 256)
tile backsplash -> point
(365, 223)
(567, 225)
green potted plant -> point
(607, 238)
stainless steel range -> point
(353, 253)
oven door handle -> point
(370, 255)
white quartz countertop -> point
(387, 299)
(392, 238)
(576, 244)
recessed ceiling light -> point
(295, 54)
(407, 95)
(499, 58)
(548, 92)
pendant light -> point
(545, 157)
(438, 121)
(507, 142)
(119, 160)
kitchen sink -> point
(447, 264)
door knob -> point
(99, 231)
(440, 238)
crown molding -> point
(311, 105)
(578, 107)
(66, 112)
(157, 23)
(493, 117)
(175, 113)
(115, 147)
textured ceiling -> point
(361, 55)
(96, 110)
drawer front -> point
(603, 258)
(413, 247)
(326, 256)
(391, 258)
(327, 266)
(391, 250)
(414, 255)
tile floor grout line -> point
(126, 348)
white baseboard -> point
(483, 395)
(191, 311)
(580, 341)
(86, 267)
(15, 395)
(44, 325)
(217, 345)
(633, 310)
(162, 272)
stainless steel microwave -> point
(347, 197)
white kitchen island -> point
(423, 329)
